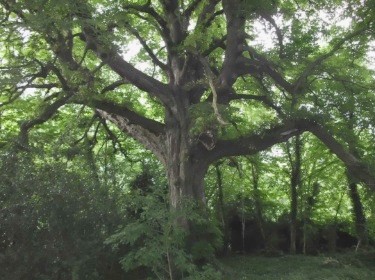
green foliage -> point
(58, 206)
(157, 241)
(53, 221)
(203, 118)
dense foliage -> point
(142, 138)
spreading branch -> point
(144, 44)
(127, 71)
(148, 9)
(254, 143)
(132, 118)
(151, 140)
(300, 82)
(47, 113)
(354, 165)
(279, 33)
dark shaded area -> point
(245, 237)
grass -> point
(288, 267)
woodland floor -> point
(287, 267)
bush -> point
(157, 243)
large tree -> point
(218, 79)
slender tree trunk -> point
(220, 208)
(258, 202)
(295, 182)
(311, 200)
(220, 204)
(358, 212)
(293, 219)
(358, 215)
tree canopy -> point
(193, 82)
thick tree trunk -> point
(185, 179)
(185, 166)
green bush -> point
(158, 243)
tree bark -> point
(257, 201)
(354, 165)
(358, 215)
(310, 203)
(221, 208)
(295, 182)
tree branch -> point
(114, 86)
(207, 14)
(115, 140)
(139, 79)
(146, 8)
(127, 71)
(191, 8)
(48, 112)
(219, 43)
(299, 84)
(131, 117)
(144, 44)
(260, 64)
(150, 140)
(235, 39)
(254, 143)
(279, 33)
(354, 165)
(262, 98)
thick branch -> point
(139, 79)
(131, 117)
(255, 143)
(260, 64)
(235, 39)
(354, 165)
(47, 113)
(123, 68)
(153, 142)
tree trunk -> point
(310, 203)
(186, 181)
(185, 166)
(295, 182)
(358, 215)
(258, 202)
(221, 209)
